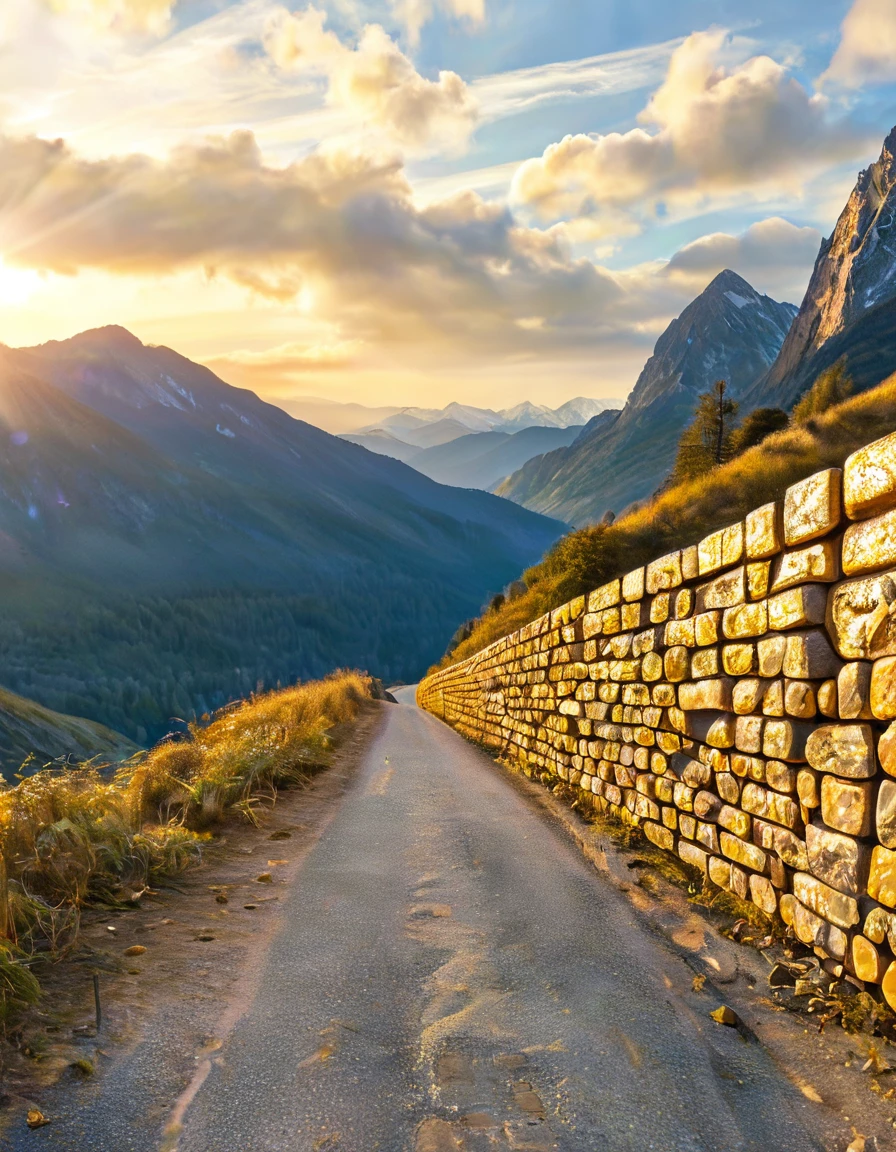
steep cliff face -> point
(729, 332)
(853, 283)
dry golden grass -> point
(68, 837)
(682, 515)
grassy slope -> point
(27, 727)
(685, 514)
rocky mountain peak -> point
(856, 267)
(730, 331)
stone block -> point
(725, 591)
(764, 535)
(633, 585)
(630, 615)
(693, 855)
(773, 698)
(706, 627)
(812, 506)
(817, 932)
(652, 667)
(816, 562)
(707, 805)
(769, 805)
(785, 740)
(728, 787)
(696, 774)
(886, 814)
(659, 608)
(689, 562)
(658, 835)
(883, 688)
(607, 596)
(739, 659)
(683, 604)
(797, 607)
(734, 820)
(680, 632)
(870, 545)
(720, 871)
(748, 734)
(742, 852)
(770, 652)
(867, 960)
(808, 787)
(709, 554)
(843, 750)
(783, 841)
(809, 656)
(854, 691)
(827, 699)
(758, 578)
(882, 876)
(746, 695)
(839, 860)
(763, 894)
(799, 699)
(886, 750)
(833, 906)
(664, 573)
(705, 663)
(869, 479)
(780, 776)
(676, 663)
(745, 620)
(862, 616)
(847, 805)
(707, 836)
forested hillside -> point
(171, 543)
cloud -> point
(151, 16)
(715, 132)
(867, 50)
(415, 13)
(775, 256)
(338, 228)
(376, 82)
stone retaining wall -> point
(735, 699)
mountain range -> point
(770, 354)
(170, 541)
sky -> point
(419, 201)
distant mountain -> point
(28, 730)
(849, 309)
(483, 459)
(471, 419)
(384, 443)
(170, 541)
(438, 432)
(729, 332)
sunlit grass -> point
(72, 836)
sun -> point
(17, 285)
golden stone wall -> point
(737, 699)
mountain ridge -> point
(852, 284)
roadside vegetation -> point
(75, 836)
(826, 426)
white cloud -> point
(867, 50)
(375, 81)
(715, 133)
(415, 13)
(775, 256)
(151, 16)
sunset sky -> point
(418, 201)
